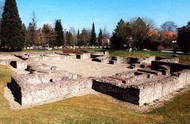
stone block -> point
(83, 56)
(19, 64)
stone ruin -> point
(145, 85)
(149, 79)
(37, 88)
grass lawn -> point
(185, 59)
(176, 111)
(30, 51)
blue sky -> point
(104, 13)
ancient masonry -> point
(144, 85)
(148, 79)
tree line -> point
(141, 33)
(14, 35)
(47, 35)
(136, 34)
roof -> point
(169, 34)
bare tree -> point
(74, 36)
(150, 23)
(106, 37)
(32, 32)
(169, 26)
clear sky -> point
(104, 13)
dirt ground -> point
(86, 67)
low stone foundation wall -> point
(131, 60)
(38, 88)
(175, 67)
(141, 93)
(148, 60)
(171, 60)
(158, 89)
(83, 56)
(5, 62)
(125, 94)
(19, 64)
(6, 59)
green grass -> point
(176, 111)
(30, 51)
(185, 59)
(124, 53)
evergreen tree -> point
(78, 33)
(24, 32)
(119, 34)
(100, 37)
(59, 32)
(93, 36)
(78, 36)
(12, 37)
(70, 39)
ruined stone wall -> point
(148, 60)
(171, 60)
(134, 91)
(175, 67)
(128, 94)
(83, 56)
(157, 89)
(132, 60)
(58, 57)
(122, 60)
(19, 64)
(15, 89)
(5, 62)
(39, 88)
(48, 92)
(6, 59)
